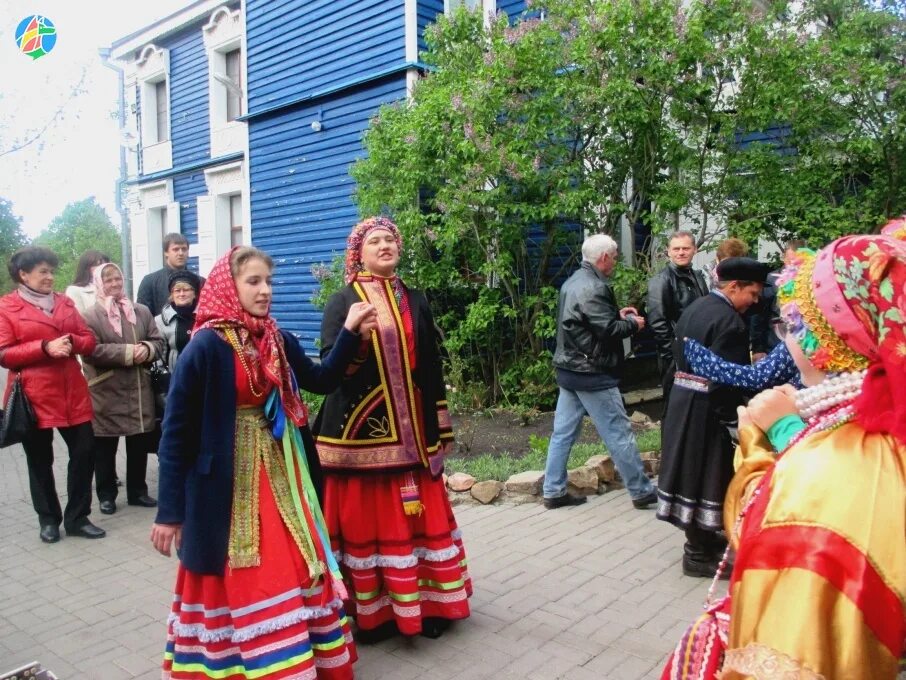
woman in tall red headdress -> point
(817, 509)
(382, 438)
(258, 592)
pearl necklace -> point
(832, 391)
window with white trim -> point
(152, 72)
(236, 220)
(233, 83)
(161, 113)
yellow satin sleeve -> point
(850, 484)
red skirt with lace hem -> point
(397, 567)
(268, 621)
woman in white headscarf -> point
(128, 342)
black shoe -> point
(107, 507)
(50, 533)
(704, 568)
(645, 501)
(87, 530)
(372, 636)
(563, 501)
(144, 501)
(433, 627)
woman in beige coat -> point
(128, 342)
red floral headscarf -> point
(357, 237)
(851, 297)
(219, 309)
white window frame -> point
(153, 67)
(224, 33)
(149, 202)
(214, 228)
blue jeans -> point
(605, 407)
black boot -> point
(700, 553)
(433, 627)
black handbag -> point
(160, 385)
(17, 420)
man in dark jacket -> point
(588, 361)
(154, 290)
(670, 291)
(696, 445)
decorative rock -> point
(525, 482)
(583, 481)
(460, 481)
(652, 462)
(639, 418)
(486, 492)
(603, 466)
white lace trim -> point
(246, 633)
(399, 561)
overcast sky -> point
(79, 155)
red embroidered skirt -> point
(262, 622)
(397, 567)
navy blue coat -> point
(196, 449)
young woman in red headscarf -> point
(258, 592)
(382, 438)
(817, 509)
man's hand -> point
(59, 348)
(164, 535)
(632, 314)
(758, 356)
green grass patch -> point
(502, 466)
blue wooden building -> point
(244, 118)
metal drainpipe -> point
(125, 231)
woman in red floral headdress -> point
(258, 592)
(382, 438)
(817, 509)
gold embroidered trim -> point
(244, 530)
(841, 357)
(766, 663)
(254, 446)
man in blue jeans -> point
(588, 362)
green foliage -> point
(502, 466)
(83, 225)
(11, 239)
(331, 280)
(525, 137)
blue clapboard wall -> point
(302, 207)
(297, 48)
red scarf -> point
(262, 345)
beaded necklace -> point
(233, 339)
(830, 419)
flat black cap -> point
(742, 269)
(186, 275)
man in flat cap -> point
(696, 446)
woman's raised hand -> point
(767, 407)
(361, 318)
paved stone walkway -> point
(592, 592)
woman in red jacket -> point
(40, 335)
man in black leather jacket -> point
(588, 361)
(670, 291)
